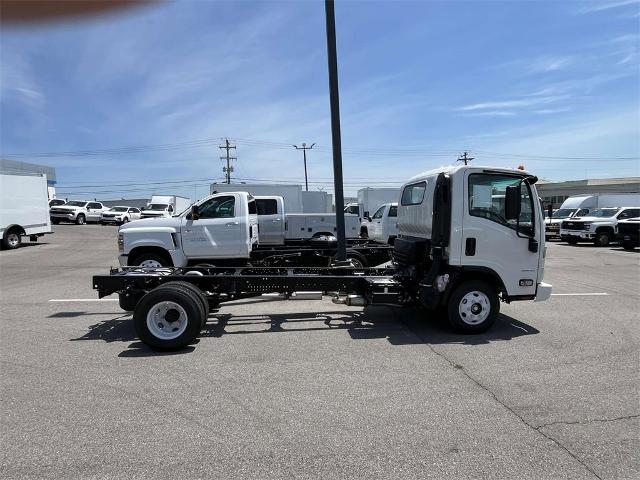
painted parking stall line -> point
(83, 300)
(595, 294)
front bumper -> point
(63, 216)
(552, 230)
(110, 220)
(543, 292)
(582, 234)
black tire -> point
(129, 300)
(12, 239)
(572, 241)
(150, 257)
(474, 294)
(124, 220)
(190, 323)
(603, 239)
(629, 245)
(358, 260)
(55, 222)
(200, 294)
(81, 219)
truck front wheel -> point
(473, 307)
(81, 219)
(168, 317)
(150, 260)
(602, 239)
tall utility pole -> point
(334, 97)
(228, 169)
(465, 158)
(304, 149)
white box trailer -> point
(24, 208)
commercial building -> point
(14, 166)
(557, 192)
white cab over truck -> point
(77, 211)
(598, 227)
(120, 214)
(383, 225)
(582, 205)
(469, 237)
(165, 206)
(370, 199)
(277, 226)
(24, 210)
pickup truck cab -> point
(119, 215)
(383, 225)
(78, 212)
(223, 225)
(599, 227)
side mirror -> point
(170, 209)
(366, 215)
(368, 218)
(195, 212)
(512, 202)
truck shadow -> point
(406, 327)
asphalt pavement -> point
(309, 389)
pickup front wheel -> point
(473, 307)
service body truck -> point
(456, 249)
(383, 225)
(24, 208)
(370, 199)
(231, 225)
(582, 205)
(598, 227)
(165, 206)
(77, 211)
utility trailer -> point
(469, 238)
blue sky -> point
(512, 82)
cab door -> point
(94, 211)
(376, 226)
(270, 221)
(490, 241)
(219, 230)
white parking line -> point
(579, 294)
(83, 300)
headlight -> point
(587, 226)
(120, 242)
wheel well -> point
(14, 228)
(364, 229)
(136, 252)
(605, 229)
(483, 274)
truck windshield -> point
(604, 212)
(157, 206)
(76, 204)
(564, 213)
(118, 209)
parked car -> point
(55, 202)
(77, 211)
(599, 227)
(628, 233)
(382, 226)
(119, 215)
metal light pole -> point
(335, 126)
(304, 149)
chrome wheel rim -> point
(474, 308)
(150, 264)
(13, 239)
(81, 220)
(166, 320)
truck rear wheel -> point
(473, 307)
(199, 293)
(169, 317)
(12, 239)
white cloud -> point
(529, 101)
(602, 6)
(490, 113)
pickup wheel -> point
(473, 307)
(150, 260)
(572, 241)
(627, 245)
(202, 298)
(602, 239)
(81, 219)
(169, 317)
(55, 222)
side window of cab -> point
(218, 207)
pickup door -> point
(94, 211)
(218, 233)
(271, 221)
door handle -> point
(232, 224)
(188, 230)
(277, 220)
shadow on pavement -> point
(407, 327)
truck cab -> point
(382, 225)
(598, 227)
(221, 226)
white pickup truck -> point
(383, 225)
(79, 212)
(599, 227)
(223, 229)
